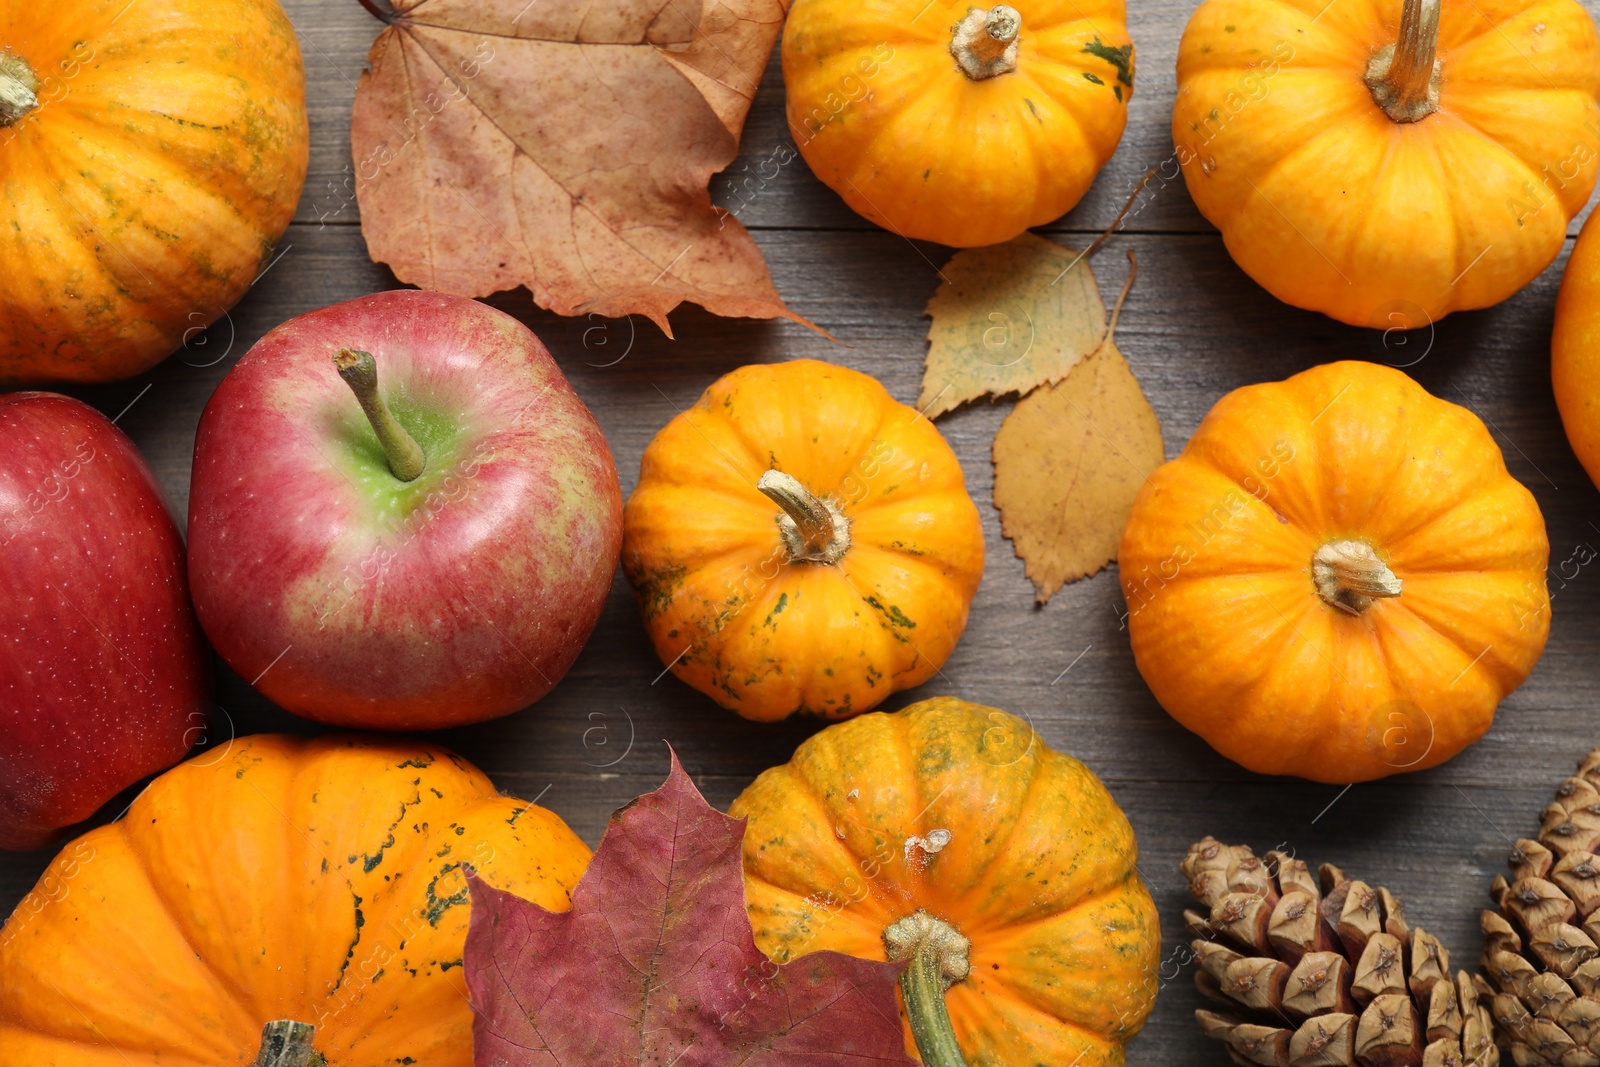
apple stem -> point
(360, 372)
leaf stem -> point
(386, 17)
(1127, 206)
(1127, 284)
(360, 372)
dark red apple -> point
(349, 588)
(102, 670)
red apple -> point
(102, 670)
(351, 589)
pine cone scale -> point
(1387, 1034)
(1541, 955)
(1324, 970)
(1379, 972)
(1327, 1041)
(1319, 986)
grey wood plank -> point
(1194, 327)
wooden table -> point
(1194, 327)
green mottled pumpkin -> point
(800, 541)
(153, 152)
(952, 822)
(316, 881)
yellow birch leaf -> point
(1008, 318)
(1068, 461)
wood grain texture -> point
(1194, 327)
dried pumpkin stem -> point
(1349, 576)
(360, 372)
(19, 88)
(813, 529)
(937, 956)
(985, 42)
(1404, 76)
(286, 1043)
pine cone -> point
(1323, 972)
(1540, 948)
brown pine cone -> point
(1323, 972)
(1540, 949)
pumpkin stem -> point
(286, 1043)
(1349, 576)
(19, 88)
(813, 530)
(1404, 77)
(360, 372)
(985, 42)
(937, 956)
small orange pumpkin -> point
(1387, 162)
(318, 882)
(957, 124)
(799, 541)
(950, 836)
(1575, 350)
(152, 153)
(1337, 578)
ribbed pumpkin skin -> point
(319, 881)
(1039, 873)
(1575, 350)
(886, 119)
(1226, 623)
(1331, 205)
(725, 608)
(144, 193)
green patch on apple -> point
(436, 431)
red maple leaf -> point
(656, 963)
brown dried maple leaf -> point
(565, 147)
(656, 963)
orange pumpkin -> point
(152, 153)
(315, 881)
(1575, 350)
(952, 123)
(950, 836)
(1387, 162)
(1337, 578)
(798, 541)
